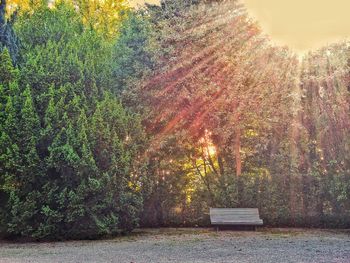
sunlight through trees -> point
(113, 117)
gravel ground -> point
(192, 245)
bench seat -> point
(235, 216)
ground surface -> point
(192, 245)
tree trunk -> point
(237, 151)
(221, 164)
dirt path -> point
(192, 245)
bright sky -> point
(300, 24)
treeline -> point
(112, 118)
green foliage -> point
(60, 51)
(67, 146)
(8, 73)
(133, 54)
(279, 146)
(223, 120)
(8, 38)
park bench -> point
(235, 217)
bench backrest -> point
(235, 216)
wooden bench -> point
(235, 217)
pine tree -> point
(8, 84)
(26, 196)
(8, 73)
(9, 106)
(9, 162)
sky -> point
(302, 25)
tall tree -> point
(205, 79)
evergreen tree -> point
(133, 54)
(9, 145)
(8, 73)
(9, 163)
(26, 196)
(8, 38)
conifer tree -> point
(8, 73)
(26, 196)
(8, 38)
(9, 146)
(9, 162)
(133, 54)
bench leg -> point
(217, 229)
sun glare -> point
(211, 150)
